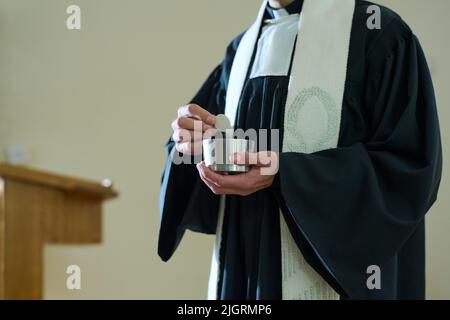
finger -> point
(210, 184)
(183, 135)
(195, 111)
(211, 176)
(183, 148)
(234, 182)
(267, 158)
(209, 133)
(190, 148)
(259, 159)
(255, 182)
(201, 169)
(239, 189)
(190, 124)
(246, 158)
(260, 181)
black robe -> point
(360, 204)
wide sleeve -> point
(185, 201)
(357, 205)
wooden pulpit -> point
(36, 208)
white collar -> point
(279, 13)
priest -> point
(359, 165)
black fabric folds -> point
(360, 204)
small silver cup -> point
(217, 154)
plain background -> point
(98, 103)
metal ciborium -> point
(217, 151)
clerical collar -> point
(293, 8)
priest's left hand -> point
(263, 168)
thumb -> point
(259, 159)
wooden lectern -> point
(37, 208)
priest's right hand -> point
(189, 128)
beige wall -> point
(98, 102)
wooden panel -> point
(23, 243)
(35, 215)
(51, 180)
(2, 238)
(70, 219)
(36, 208)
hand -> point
(192, 125)
(263, 168)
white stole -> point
(311, 122)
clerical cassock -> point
(350, 209)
